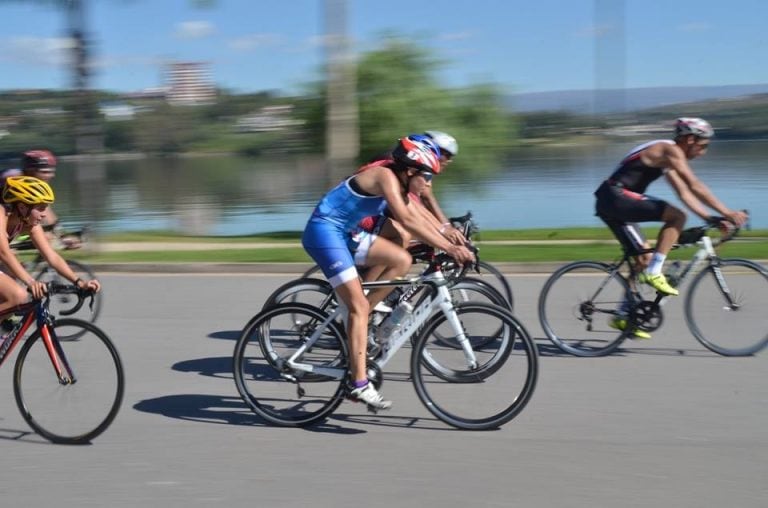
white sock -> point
(656, 264)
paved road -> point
(663, 423)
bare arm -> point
(430, 202)
(446, 228)
(8, 257)
(41, 242)
(692, 191)
(383, 182)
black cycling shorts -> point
(621, 209)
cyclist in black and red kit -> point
(622, 202)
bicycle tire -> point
(466, 391)
(289, 292)
(501, 283)
(724, 329)
(66, 302)
(568, 302)
(99, 379)
(312, 272)
(260, 372)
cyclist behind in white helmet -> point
(449, 149)
(622, 203)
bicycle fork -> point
(446, 306)
(57, 356)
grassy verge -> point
(753, 246)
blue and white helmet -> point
(446, 142)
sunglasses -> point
(703, 146)
(426, 175)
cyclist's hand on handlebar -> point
(461, 254)
(37, 289)
(91, 285)
(454, 236)
(738, 217)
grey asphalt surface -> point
(661, 423)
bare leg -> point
(391, 261)
(674, 221)
(351, 293)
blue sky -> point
(531, 46)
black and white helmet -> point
(696, 126)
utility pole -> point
(610, 57)
(342, 134)
(88, 136)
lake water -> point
(236, 196)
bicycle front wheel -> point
(488, 394)
(275, 391)
(494, 277)
(725, 307)
(577, 304)
(79, 405)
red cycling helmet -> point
(37, 159)
(417, 155)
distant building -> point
(190, 84)
(268, 119)
(117, 110)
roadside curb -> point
(275, 268)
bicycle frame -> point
(37, 312)
(436, 297)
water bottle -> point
(393, 322)
(673, 273)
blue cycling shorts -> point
(327, 244)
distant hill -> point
(630, 99)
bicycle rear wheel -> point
(276, 392)
(311, 291)
(492, 393)
(577, 304)
(76, 410)
(725, 307)
(66, 302)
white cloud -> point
(37, 50)
(254, 41)
(194, 29)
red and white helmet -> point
(696, 126)
(37, 159)
(417, 155)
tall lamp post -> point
(342, 136)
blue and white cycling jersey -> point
(329, 229)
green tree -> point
(398, 93)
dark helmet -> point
(37, 159)
(416, 154)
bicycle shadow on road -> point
(628, 348)
(218, 409)
(225, 334)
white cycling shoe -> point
(369, 395)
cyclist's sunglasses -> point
(426, 175)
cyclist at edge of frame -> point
(25, 200)
(327, 236)
(621, 201)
